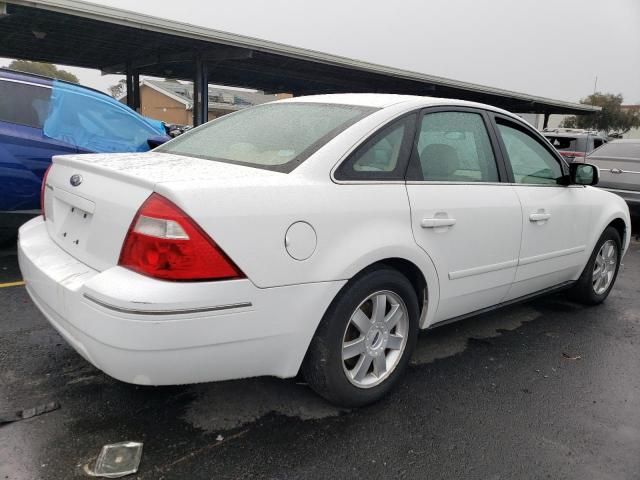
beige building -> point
(172, 101)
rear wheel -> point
(599, 275)
(365, 339)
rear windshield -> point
(622, 149)
(277, 136)
(566, 143)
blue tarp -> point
(96, 122)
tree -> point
(611, 119)
(119, 88)
(46, 69)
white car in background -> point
(315, 234)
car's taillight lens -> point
(164, 242)
(43, 188)
(567, 153)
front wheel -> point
(599, 275)
(364, 340)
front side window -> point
(276, 136)
(383, 156)
(530, 161)
(455, 147)
(23, 103)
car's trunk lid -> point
(90, 200)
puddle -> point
(228, 405)
(452, 339)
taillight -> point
(43, 188)
(164, 242)
(567, 153)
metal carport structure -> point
(77, 33)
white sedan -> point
(316, 234)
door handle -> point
(437, 222)
(539, 217)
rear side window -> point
(276, 136)
(23, 103)
(530, 161)
(382, 157)
(454, 147)
(564, 143)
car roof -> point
(383, 100)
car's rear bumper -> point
(152, 332)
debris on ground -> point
(219, 438)
(571, 357)
(8, 417)
(117, 460)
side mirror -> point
(583, 174)
(156, 141)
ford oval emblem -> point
(75, 180)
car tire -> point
(384, 344)
(600, 273)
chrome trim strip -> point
(25, 82)
(633, 192)
(547, 256)
(483, 269)
(495, 184)
(182, 311)
(434, 182)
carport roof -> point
(73, 32)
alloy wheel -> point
(604, 268)
(375, 339)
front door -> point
(555, 216)
(462, 216)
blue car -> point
(41, 117)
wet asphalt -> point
(546, 389)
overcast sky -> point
(552, 48)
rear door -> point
(555, 216)
(464, 218)
(25, 153)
